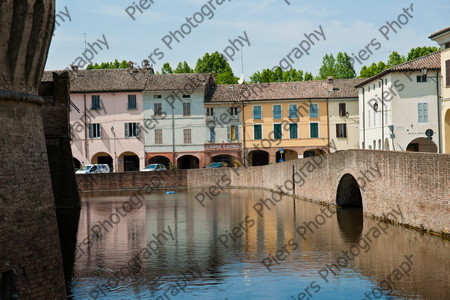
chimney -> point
(330, 83)
(148, 67)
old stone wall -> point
(415, 183)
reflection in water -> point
(350, 221)
(172, 247)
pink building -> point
(106, 116)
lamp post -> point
(438, 102)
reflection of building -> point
(398, 105)
(442, 37)
(105, 118)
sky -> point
(269, 33)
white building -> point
(398, 105)
(175, 118)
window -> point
(131, 130)
(187, 136)
(421, 78)
(212, 134)
(257, 132)
(257, 112)
(277, 111)
(342, 109)
(385, 81)
(423, 112)
(447, 73)
(186, 96)
(157, 109)
(447, 45)
(157, 96)
(341, 130)
(233, 133)
(210, 111)
(314, 111)
(314, 130)
(95, 130)
(293, 112)
(368, 88)
(132, 102)
(158, 136)
(234, 111)
(95, 102)
(293, 131)
(277, 133)
(186, 109)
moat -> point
(168, 246)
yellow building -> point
(291, 120)
(442, 37)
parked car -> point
(93, 169)
(154, 167)
(215, 165)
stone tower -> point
(30, 255)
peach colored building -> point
(106, 118)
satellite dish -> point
(241, 80)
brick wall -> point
(417, 183)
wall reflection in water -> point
(228, 249)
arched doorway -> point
(258, 158)
(103, 158)
(228, 159)
(422, 145)
(160, 160)
(76, 164)
(188, 162)
(348, 193)
(313, 152)
(130, 162)
(286, 155)
(447, 132)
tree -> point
(395, 59)
(166, 69)
(308, 76)
(108, 65)
(216, 63)
(420, 51)
(372, 70)
(328, 67)
(183, 67)
(344, 67)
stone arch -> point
(188, 162)
(313, 152)
(159, 159)
(258, 158)
(348, 192)
(129, 162)
(227, 158)
(288, 154)
(76, 164)
(422, 145)
(103, 158)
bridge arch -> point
(348, 192)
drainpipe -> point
(86, 125)
(439, 112)
(382, 113)
(244, 156)
(328, 122)
(173, 136)
(364, 118)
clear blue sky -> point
(273, 28)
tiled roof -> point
(185, 81)
(317, 89)
(431, 62)
(439, 32)
(109, 80)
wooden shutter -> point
(127, 130)
(447, 73)
(236, 132)
(138, 129)
(90, 131)
(99, 130)
(228, 133)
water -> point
(227, 250)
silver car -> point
(154, 167)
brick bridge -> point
(378, 181)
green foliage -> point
(166, 69)
(328, 67)
(278, 75)
(372, 70)
(109, 65)
(344, 67)
(420, 51)
(183, 67)
(395, 59)
(308, 76)
(216, 63)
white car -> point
(154, 167)
(93, 169)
